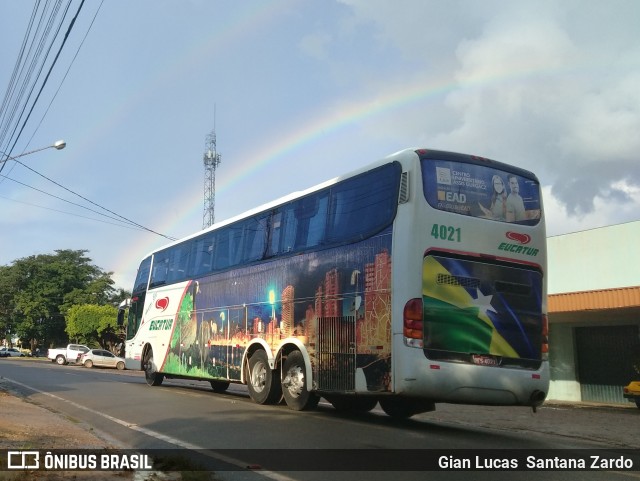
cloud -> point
(551, 86)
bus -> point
(419, 279)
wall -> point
(594, 259)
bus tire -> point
(153, 377)
(219, 386)
(264, 386)
(294, 384)
(362, 404)
(404, 408)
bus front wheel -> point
(294, 384)
(153, 377)
(264, 387)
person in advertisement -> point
(498, 208)
(515, 205)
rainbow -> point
(298, 137)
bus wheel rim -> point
(294, 381)
(258, 377)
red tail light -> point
(545, 334)
(413, 325)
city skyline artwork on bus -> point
(337, 302)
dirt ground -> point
(24, 425)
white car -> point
(10, 352)
(101, 358)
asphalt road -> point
(187, 414)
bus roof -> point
(401, 155)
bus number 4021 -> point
(446, 232)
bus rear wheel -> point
(264, 386)
(294, 384)
(151, 375)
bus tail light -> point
(413, 324)
(545, 336)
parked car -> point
(631, 392)
(68, 354)
(101, 358)
(10, 352)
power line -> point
(27, 64)
(67, 72)
(126, 226)
(46, 79)
(63, 200)
(18, 72)
(93, 203)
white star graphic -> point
(483, 303)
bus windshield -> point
(481, 191)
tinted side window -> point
(202, 255)
(363, 205)
(223, 246)
(310, 220)
(178, 262)
(143, 276)
(346, 212)
(254, 238)
(160, 269)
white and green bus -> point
(417, 280)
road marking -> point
(154, 434)
(624, 473)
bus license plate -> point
(484, 360)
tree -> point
(90, 324)
(37, 292)
(7, 292)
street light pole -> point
(59, 145)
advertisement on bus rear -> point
(481, 191)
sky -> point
(301, 91)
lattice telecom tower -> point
(211, 160)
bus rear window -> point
(481, 191)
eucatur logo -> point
(519, 238)
(162, 304)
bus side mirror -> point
(122, 308)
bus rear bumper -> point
(470, 384)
